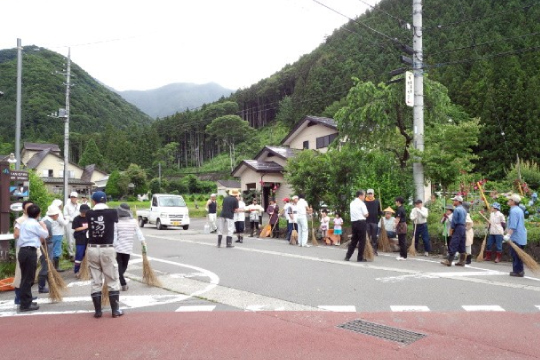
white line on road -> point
(196, 308)
(407, 308)
(338, 308)
(482, 308)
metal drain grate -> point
(382, 331)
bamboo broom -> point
(149, 277)
(412, 248)
(369, 254)
(526, 258)
(56, 283)
(313, 237)
(384, 242)
(84, 270)
(294, 236)
(480, 256)
(105, 294)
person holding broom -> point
(457, 231)
(16, 233)
(79, 226)
(101, 254)
(517, 233)
(126, 230)
(401, 228)
(273, 214)
(372, 222)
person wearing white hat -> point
(496, 232)
(457, 231)
(71, 211)
(517, 233)
(58, 228)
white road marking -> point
(196, 308)
(254, 307)
(409, 308)
(538, 307)
(482, 308)
(437, 275)
(338, 308)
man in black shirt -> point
(372, 222)
(226, 218)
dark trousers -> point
(43, 261)
(275, 230)
(254, 225)
(402, 241)
(372, 230)
(79, 255)
(358, 238)
(422, 231)
(122, 260)
(290, 227)
(517, 264)
(27, 263)
(457, 242)
(239, 227)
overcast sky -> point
(140, 45)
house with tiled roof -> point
(265, 172)
(47, 161)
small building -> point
(265, 172)
(223, 186)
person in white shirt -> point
(240, 219)
(285, 212)
(496, 232)
(302, 210)
(58, 231)
(255, 213)
(359, 215)
(419, 215)
(71, 211)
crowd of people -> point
(367, 218)
(105, 236)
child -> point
(80, 226)
(325, 221)
(338, 222)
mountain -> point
(170, 99)
(92, 105)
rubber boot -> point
(487, 256)
(498, 257)
(462, 259)
(448, 260)
(219, 237)
(229, 242)
(114, 300)
(96, 299)
(17, 296)
(57, 265)
(469, 258)
(42, 288)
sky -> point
(142, 45)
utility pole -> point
(18, 107)
(418, 110)
(66, 129)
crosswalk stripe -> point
(196, 308)
(407, 308)
(338, 308)
(482, 308)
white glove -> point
(506, 238)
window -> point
(324, 141)
(305, 145)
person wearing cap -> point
(126, 231)
(359, 214)
(273, 214)
(496, 233)
(50, 217)
(226, 218)
(211, 209)
(240, 219)
(457, 231)
(372, 222)
(80, 227)
(32, 234)
(469, 233)
(84, 201)
(517, 233)
(101, 254)
(389, 222)
(71, 210)
(58, 232)
(419, 216)
(292, 211)
(285, 212)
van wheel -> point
(158, 225)
(141, 222)
(185, 227)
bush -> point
(530, 174)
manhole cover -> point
(382, 331)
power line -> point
(383, 11)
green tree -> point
(230, 129)
(137, 176)
(117, 185)
(38, 192)
(91, 155)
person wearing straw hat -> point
(71, 210)
(31, 236)
(457, 231)
(496, 233)
(517, 233)
(226, 218)
(389, 222)
(80, 227)
(126, 230)
(101, 254)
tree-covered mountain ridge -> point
(176, 97)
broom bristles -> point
(84, 270)
(384, 242)
(149, 277)
(526, 258)
(412, 248)
(369, 254)
(56, 282)
(294, 237)
(480, 256)
(105, 294)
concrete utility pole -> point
(418, 110)
(66, 129)
(18, 108)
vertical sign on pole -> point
(409, 88)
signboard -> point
(409, 88)
(19, 175)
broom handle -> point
(482, 195)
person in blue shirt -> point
(32, 235)
(517, 233)
(457, 231)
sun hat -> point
(124, 210)
(389, 209)
(515, 198)
(458, 198)
(53, 210)
(496, 205)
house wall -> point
(276, 159)
(54, 163)
(97, 176)
(311, 133)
